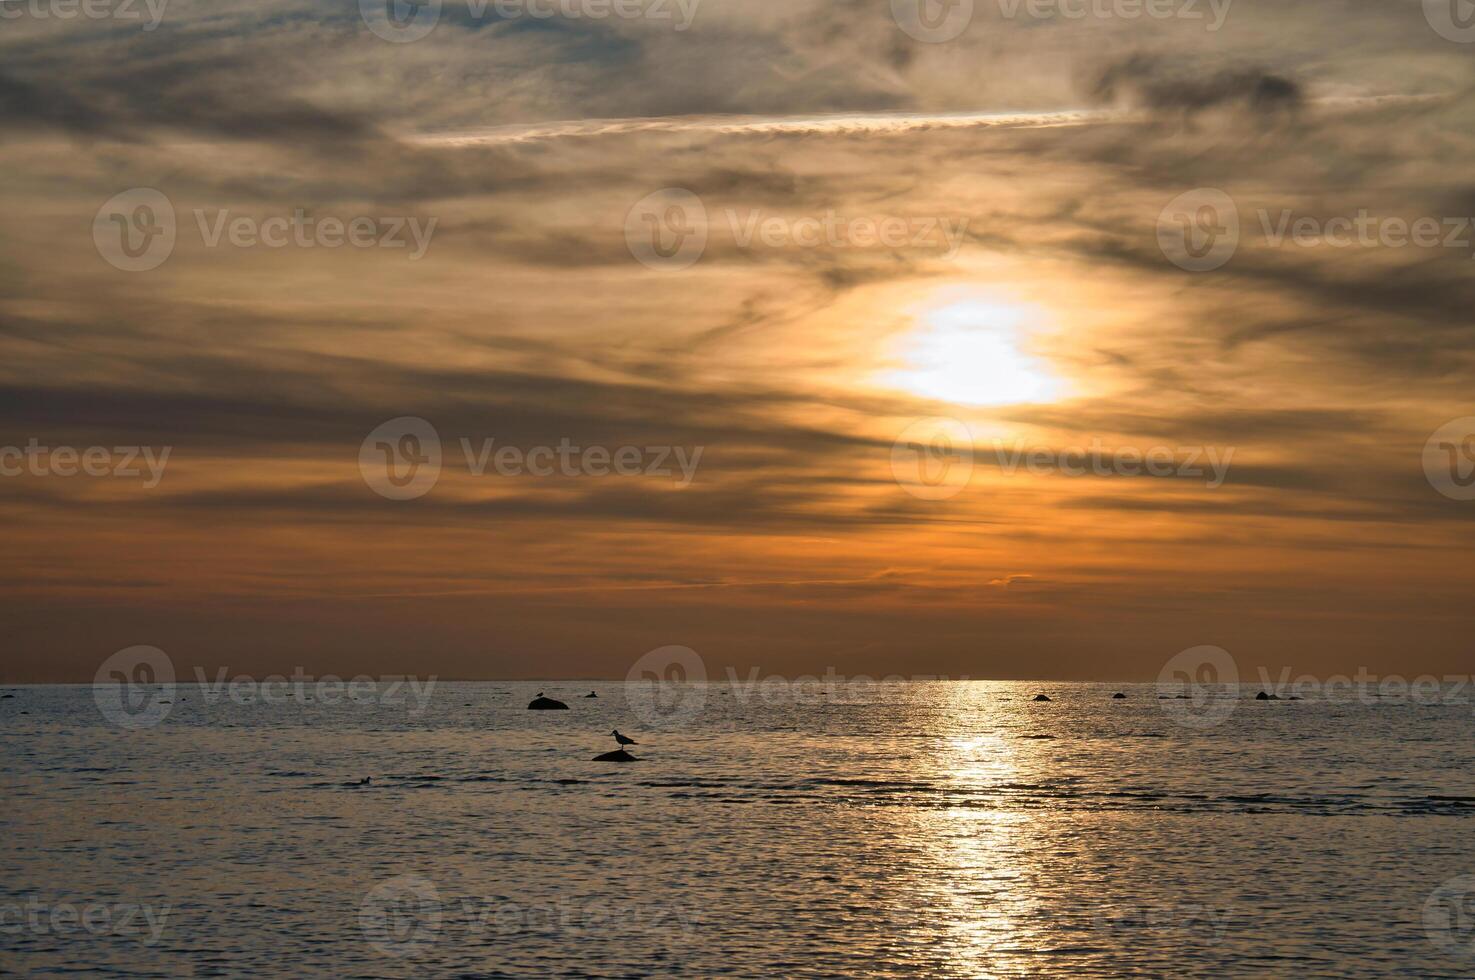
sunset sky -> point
(797, 359)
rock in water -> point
(618, 755)
(1119, 696)
(1041, 697)
(541, 703)
(1262, 696)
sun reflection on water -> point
(970, 878)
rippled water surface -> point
(943, 829)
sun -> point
(975, 352)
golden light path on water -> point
(970, 883)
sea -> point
(887, 829)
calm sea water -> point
(942, 829)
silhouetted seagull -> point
(622, 739)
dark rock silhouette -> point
(540, 703)
(1119, 696)
(618, 755)
(1262, 696)
(1040, 697)
(592, 694)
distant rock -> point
(1119, 696)
(1262, 696)
(1040, 697)
(540, 703)
(618, 755)
(592, 694)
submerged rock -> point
(618, 755)
(541, 703)
(1262, 696)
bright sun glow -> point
(971, 353)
